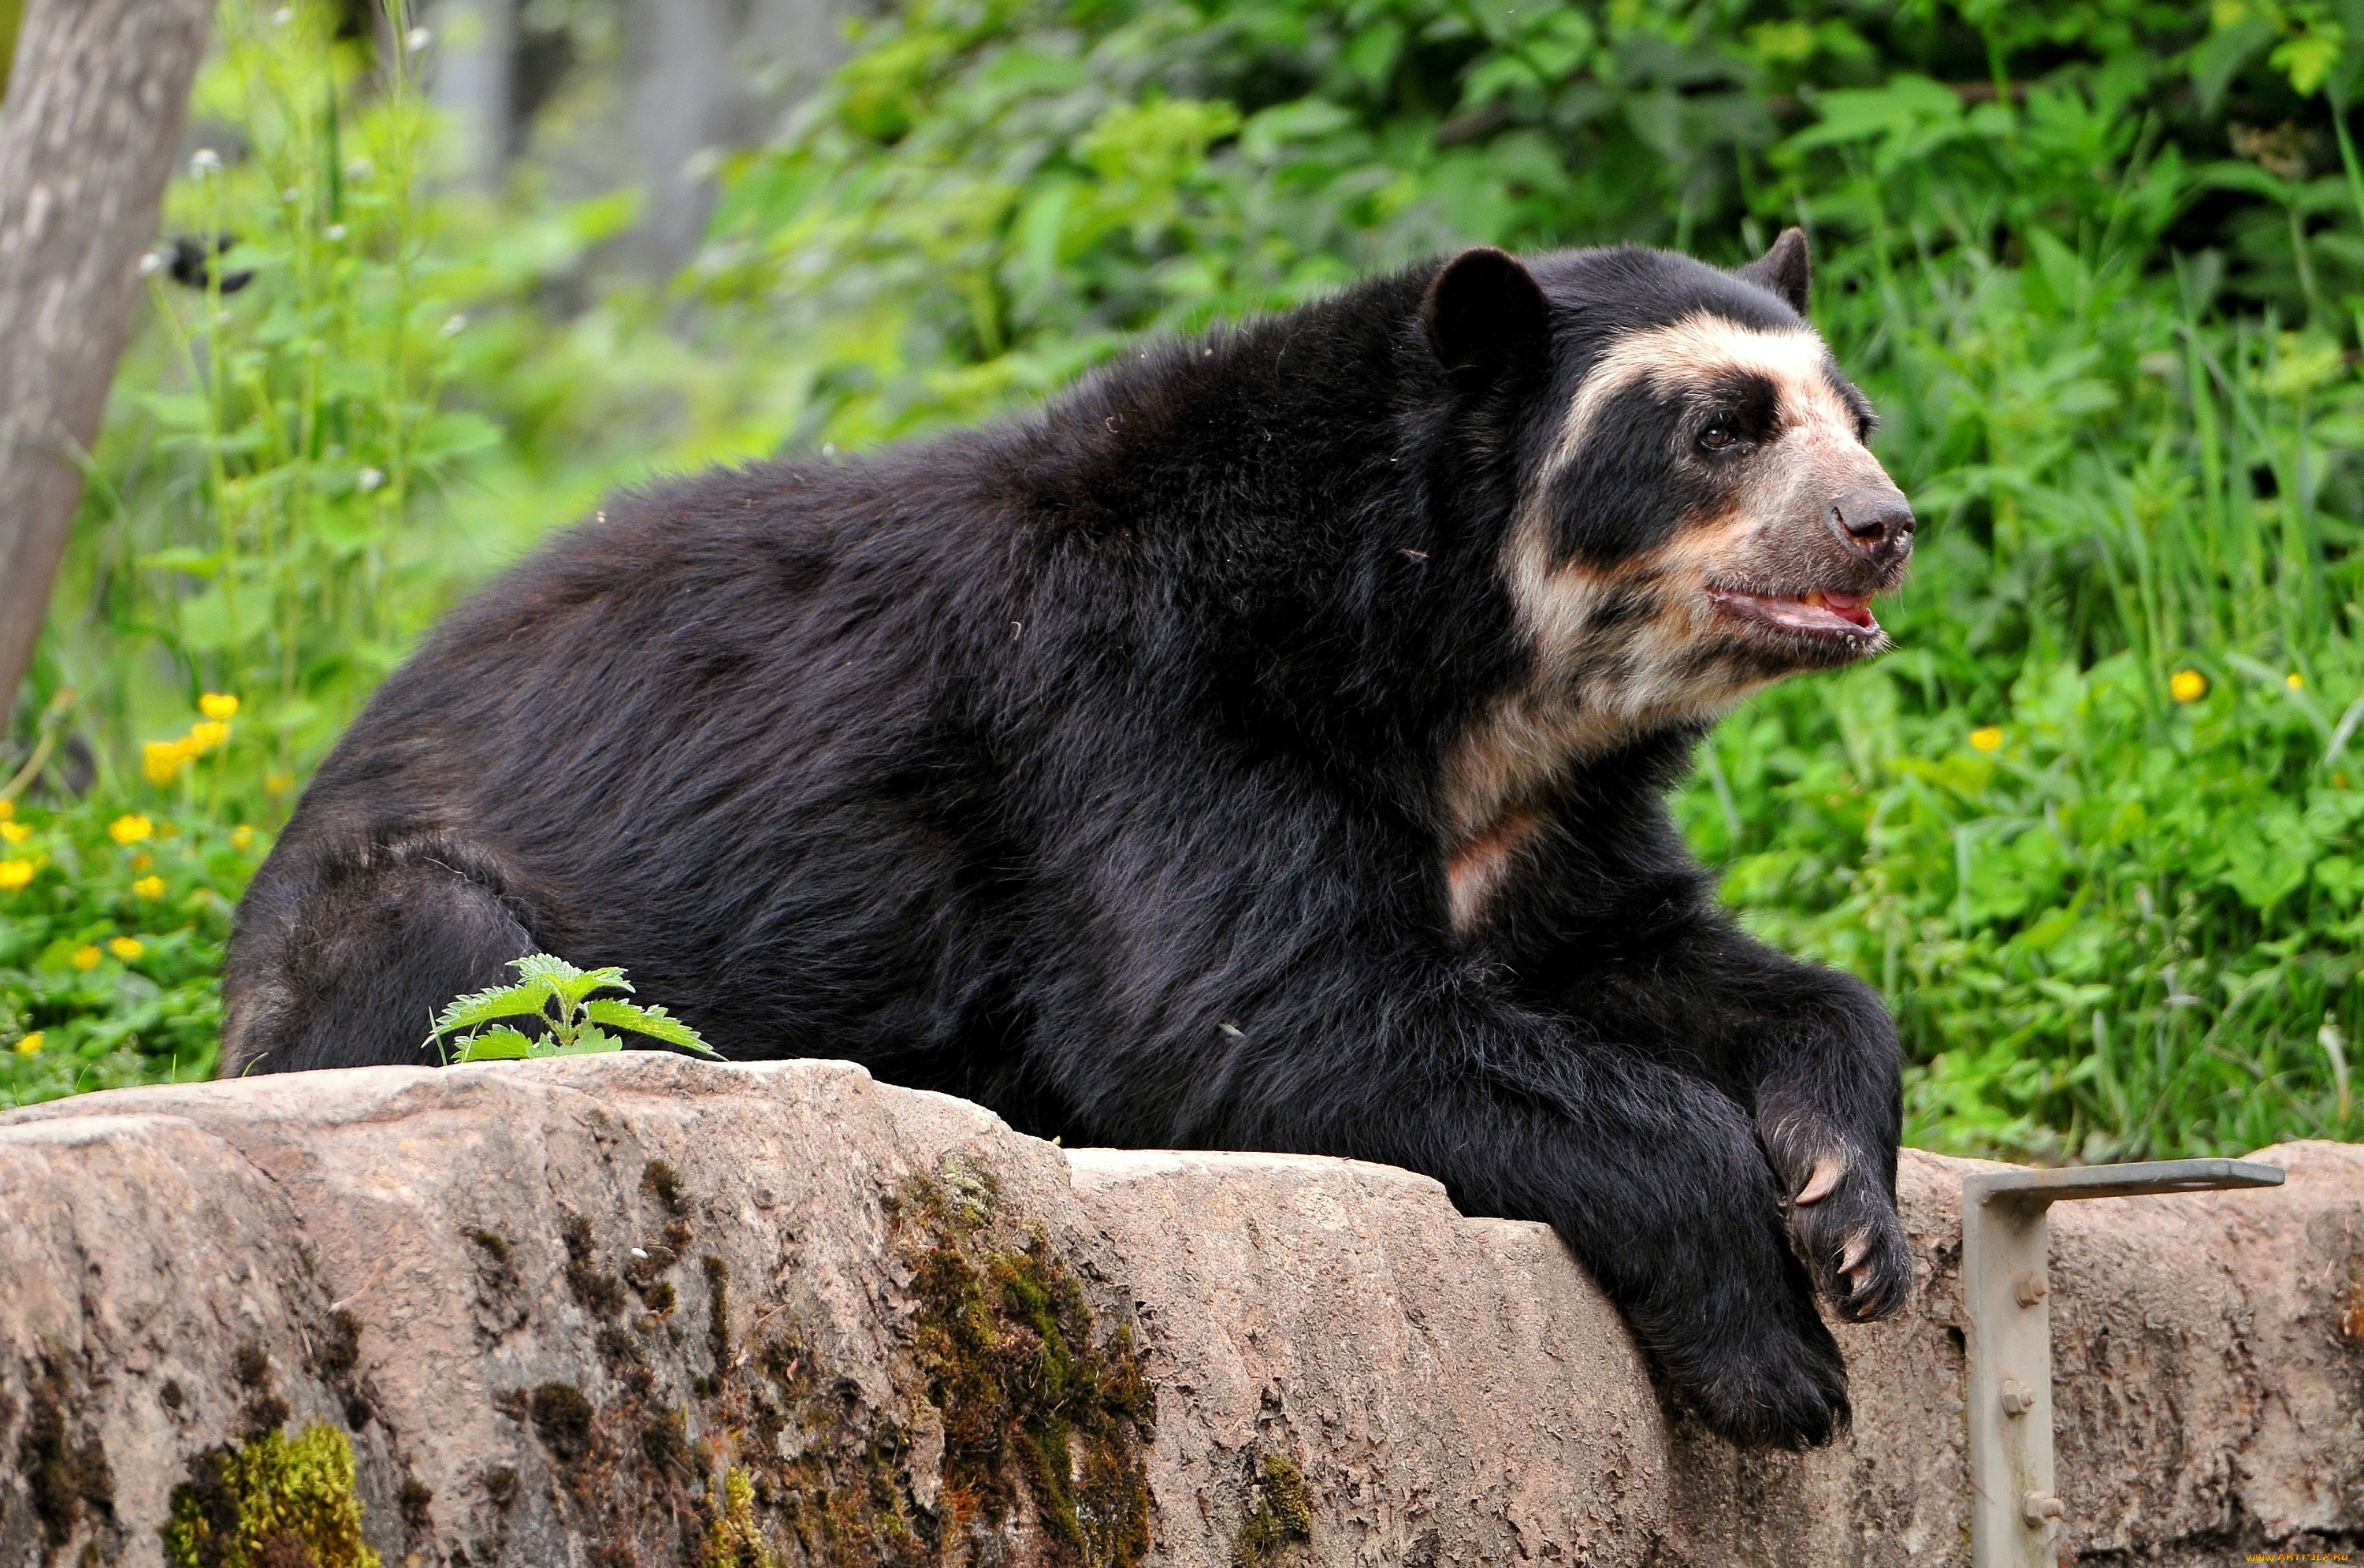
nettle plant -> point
(554, 993)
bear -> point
(1264, 745)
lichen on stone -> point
(1282, 1517)
(271, 1502)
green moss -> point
(1014, 1365)
(1283, 1515)
(737, 1541)
(272, 1500)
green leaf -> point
(182, 558)
(502, 1044)
(566, 981)
(591, 1042)
(2223, 55)
(651, 1021)
(483, 1006)
(582, 983)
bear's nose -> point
(1877, 521)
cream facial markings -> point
(1604, 676)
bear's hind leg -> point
(351, 971)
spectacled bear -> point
(1264, 746)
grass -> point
(2096, 830)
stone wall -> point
(644, 1310)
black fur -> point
(1087, 766)
(1786, 270)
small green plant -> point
(559, 996)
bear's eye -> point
(1717, 437)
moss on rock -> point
(70, 1482)
(1282, 1518)
(271, 1502)
(737, 1540)
(1041, 1412)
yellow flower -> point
(278, 784)
(142, 861)
(149, 887)
(2294, 679)
(205, 735)
(2187, 685)
(15, 874)
(242, 837)
(163, 760)
(127, 948)
(86, 956)
(13, 832)
(7, 809)
(1987, 738)
(130, 829)
(217, 704)
(30, 1045)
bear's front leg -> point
(1826, 1072)
(1812, 1053)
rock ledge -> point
(645, 1310)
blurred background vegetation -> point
(2097, 831)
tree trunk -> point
(87, 135)
(475, 61)
(683, 99)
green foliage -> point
(275, 444)
(273, 1499)
(557, 996)
(111, 932)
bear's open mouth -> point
(1820, 612)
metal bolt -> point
(2018, 1399)
(2039, 1509)
(2030, 1286)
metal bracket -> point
(2014, 1508)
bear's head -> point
(1697, 512)
(1700, 513)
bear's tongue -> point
(1856, 608)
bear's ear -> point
(1786, 270)
(1485, 314)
